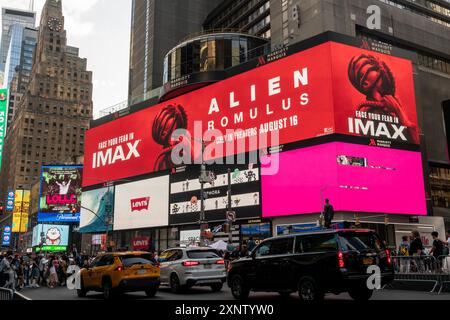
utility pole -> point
(202, 198)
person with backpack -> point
(403, 251)
(437, 251)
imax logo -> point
(112, 155)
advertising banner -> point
(330, 88)
(189, 237)
(142, 204)
(10, 201)
(6, 236)
(292, 97)
(50, 235)
(3, 119)
(96, 207)
(21, 211)
(140, 243)
(374, 96)
(355, 178)
(60, 194)
(185, 193)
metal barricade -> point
(445, 275)
(418, 269)
(6, 294)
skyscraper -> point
(22, 72)
(54, 111)
(156, 27)
(11, 17)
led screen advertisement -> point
(3, 119)
(142, 204)
(6, 236)
(290, 96)
(50, 235)
(356, 178)
(96, 207)
(185, 195)
(10, 201)
(21, 211)
(330, 88)
(374, 96)
(60, 193)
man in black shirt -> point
(438, 246)
(416, 246)
(328, 214)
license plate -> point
(368, 261)
(207, 266)
(142, 271)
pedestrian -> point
(2, 270)
(416, 250)
(9, 273)
(448, 237)
(328, 214)
(251, 244)
(20, 270)
(53, 275)
(34, 274)
(403, 253)
(437, 251)
(62, 270)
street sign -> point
(231, 216)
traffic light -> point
(2, 209)
(73, 211)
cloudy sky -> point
(101, 29)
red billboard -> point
(373, 95)
(295, 98)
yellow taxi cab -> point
(120, 272)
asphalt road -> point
(195, 293)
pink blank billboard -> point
(356, 178)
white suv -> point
(187, 267)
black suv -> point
(313, 264)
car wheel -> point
(81, 293)
(175, 286)
(216, 287)
(107, 290)
(309, 290)
(360, 293)
(238, 288)
(151, 292)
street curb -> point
(19, 296)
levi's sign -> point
(140, 204)
(330, 88)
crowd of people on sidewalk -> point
(415, 257)
(18, 271)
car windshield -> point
(131, 260)
(362, 242)
(202, 254)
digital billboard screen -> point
(96, 206)
(52, 235)
(3, 119)
(355, 178)
(330, 88)
(142, 204)
(60, 194)
(185, 193)
(21, 211)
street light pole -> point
(202, 196)
(230, 223)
